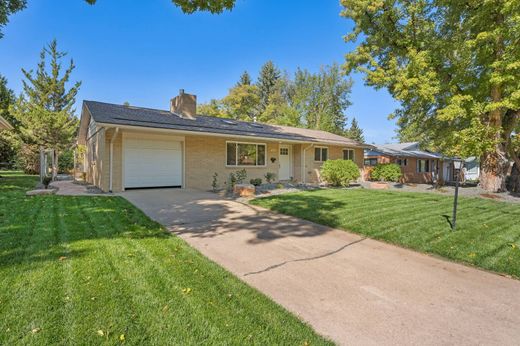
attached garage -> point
(152, 161)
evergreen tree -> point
(269, 75)
(45, 109)
(9, 142)
(355, 132)
(7, 98)
(245, 79)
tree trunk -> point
(494, 166)
(514, 181)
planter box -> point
(379, 186)
(244, 190)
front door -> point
(285, 162)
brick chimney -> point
(184, 105)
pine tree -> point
(269, 75)
(355, 132)
(45, 109)
(8, 139)
(245, 79)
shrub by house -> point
(339, 172)
(386, 172)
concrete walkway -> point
(68, 188)
(356, 291)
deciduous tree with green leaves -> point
(9, 7)
(45, 109)
(242, 102)
(455, 68)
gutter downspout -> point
(303, 162)
(114, 136)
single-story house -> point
(4, 124)
(134, 147)
(417, 166)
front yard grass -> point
(96, 270)
(487, 234)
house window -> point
(93, 153)
(371, 162)
(320, 154)
(284, 151)
(348, 154)
(402, 162)
(245, 154)
(423, 166)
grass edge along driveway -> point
(96, 270)
(487, 234)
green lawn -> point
(487, 235)
(95, 270)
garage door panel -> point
(152, 163)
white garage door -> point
(152, 162)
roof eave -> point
(217, 134)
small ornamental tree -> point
(386, 172)
(339, 172)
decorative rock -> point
(379, 186)
(244, 190)
(41, 192)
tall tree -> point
(322, 98)
(213, 108)
(279, 109)
(454, 67)
(7, 98)
(242, 102)
(269, 75)
(9, 143)
(45, 109)
(355, 132)
(245, 79)
(7, 8)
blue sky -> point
(143, 52)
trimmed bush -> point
(256, 181)
(339, 172)
(386, 172)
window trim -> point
(321, 153)
(353, 159)
(236, 157)
(369, 159)
(428, 164)
(405, 160)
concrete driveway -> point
(351, 289)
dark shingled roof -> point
(137, 116)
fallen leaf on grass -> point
(513, 245)
(100, 333)
(186, 290)
(62, 258)
(122, 337)
(36, 330)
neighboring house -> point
(134, 147)
(417, 166)
(472, 168)
(4, 124)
